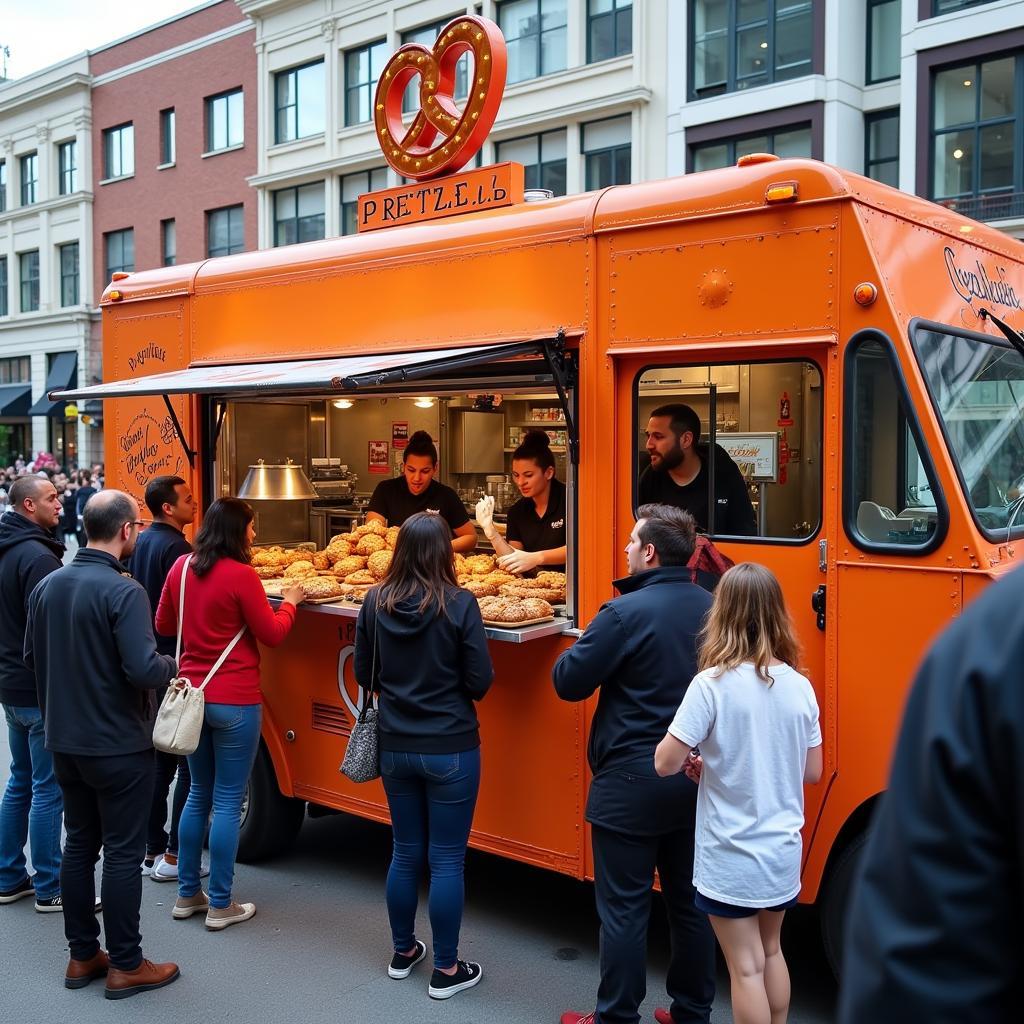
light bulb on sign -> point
(424, 403)
(343, 403)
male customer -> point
(640, 649)
(678, 474)
(32, 805)
(169, 500)
(99, 726)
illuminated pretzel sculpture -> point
(441, 139)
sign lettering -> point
(975, 282)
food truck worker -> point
(535, 534)
(678, 474)
(416, 490)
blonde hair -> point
(748, 622)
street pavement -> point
(318, 948)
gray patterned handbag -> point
(362, 756)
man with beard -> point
(678, 474)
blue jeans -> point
(220, 768)
(32, 807)
(432, 798)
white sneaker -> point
(164, 871)
(147, 869)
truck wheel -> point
(270, 820)
(836, 901)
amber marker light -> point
(118, 275)
(865, 293)
(781, 192)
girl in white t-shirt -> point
(755, 719)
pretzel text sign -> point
(482, 189)
(442, 138)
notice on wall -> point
(399, 434)
(757, 455)
(378, 457)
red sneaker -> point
(572, 1017)
(663, 1016)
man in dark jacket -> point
(169, 500)
(32, 806)
(99, 726)
(640, 649)
(934, 931)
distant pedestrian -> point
(170, 502)
(32, 807)
(420, 644)
(99, 726)
(755, 719)
(226, 609)
(641, 650)
(69, 516)
(86, 489)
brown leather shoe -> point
(148, 975)
(81, 972)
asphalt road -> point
(318, 947)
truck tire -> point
(835, 903)
(270, 820)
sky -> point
(43, 32)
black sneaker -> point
(401, 966)
(444, 986)
(19, 892)
(55, 905)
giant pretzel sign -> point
(441, 138)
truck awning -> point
(343, 374)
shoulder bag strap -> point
(368, 696)
(181, 610)
(224, 656)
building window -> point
(168, 242)
(299, 102)
(167, 147)
(17, 369)
(29, 168)
(67, 167)
(225, 231)
(791, 141)
(607, 150)
(68, 274)
(352, 187)
(946, 6)
(362, 69)
(119, 248)
(535, 33)
(3, 185)
(299, 214)
(224, 121)
(883, 40)
(29, 266)
(882, 146)
(739, 44)
(119, 151)
(3, 286)
(426, 35)
(975, 130)
(609, 29)
(543, 156)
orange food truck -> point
(847, 345)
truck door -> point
(769, 414)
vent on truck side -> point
(331, 718)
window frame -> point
(669, 362)
(110, 270)
(65, 278)
(869, 32)
(539, 37)
(275, 221)
(615, 151)
(370, 84)
(29, 186)
(351, 206)
(278, 109)
(871, 118)
(226, 210)
(168, 227)
(730, 141)
(32, 283)
(613, 15)
(540, 165)
(964, 5)
(407, 36)
(117, 132)
(872, 335)
(209, 104)
(3, 186)
(24, 364)
(4, 285)
(168, 142)
(67, 176)
(732, 31)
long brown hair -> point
(748, 621)
(423, 566)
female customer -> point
(420, 644)
(535, 534)
(223, 596)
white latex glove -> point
(485, 515)
(520, 561)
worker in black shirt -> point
(535, 532)
(416, 490)
(678, 474)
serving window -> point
(763, 423)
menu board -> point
(759, 451)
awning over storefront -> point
(62, 373)
(15, 399)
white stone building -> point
(45, 267)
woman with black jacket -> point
(420, 644)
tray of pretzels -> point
(515, 611)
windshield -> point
(978, 389)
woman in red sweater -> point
(223, 597)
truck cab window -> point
(737, 445)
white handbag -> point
(179, 720)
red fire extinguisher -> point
(783, 457)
